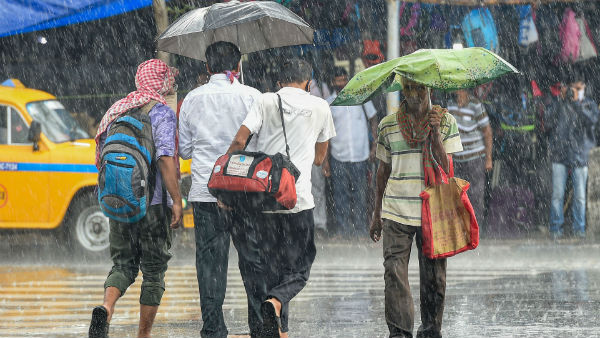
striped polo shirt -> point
(401, 201)
(470, 119)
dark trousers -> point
(211, 225)
(474, 172)
(349, 181)
(399, 308)
(286, 250)
(143, 245)
(213, 229)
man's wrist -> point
(377, 212)
(177, 200)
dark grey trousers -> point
(284, 244)
(213, 228)
(399, 307)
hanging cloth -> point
(587, 50)
(528, 33)
(570, 36)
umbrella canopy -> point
(445, 69)
(252, 26)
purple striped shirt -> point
(164, 128)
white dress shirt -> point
(351, 143)
(209, 119)
(307, 121)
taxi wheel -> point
(88, 227)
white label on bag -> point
(262, 174)
(239, 165)
(217, 169)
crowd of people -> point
(342, 144)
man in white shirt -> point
(347, 163)
(286, 238)
(210, 116)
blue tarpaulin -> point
(23, 16)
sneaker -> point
(99, 325)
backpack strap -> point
(287, 147)
(145, 109)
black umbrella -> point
(252, 26)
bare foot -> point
(277, 304)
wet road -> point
(502, 289)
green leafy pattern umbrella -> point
(445, 69)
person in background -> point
(347, 160)
(320, 87)
(319, 182)
(209, 118)
(571, 120)
(475, 160)
(202, 79)
(286, 238)
(144, 245)
(407, 144)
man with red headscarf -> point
(145, 244)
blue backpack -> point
(128, 173)
(479, 29)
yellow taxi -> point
(47, 172)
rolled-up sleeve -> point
(164, 128)
(254, 119)
(328, 130)
(450, 134)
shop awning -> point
(23, 16)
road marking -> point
(63, 305)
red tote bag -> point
(448, 221)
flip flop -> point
(271, 322)
(99, 325)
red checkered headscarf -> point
(154, 78)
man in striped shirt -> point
(408, 141)
(476, 137)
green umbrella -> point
(445, 69)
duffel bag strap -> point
(287, 147)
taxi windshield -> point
(57, 124)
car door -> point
(24, 191)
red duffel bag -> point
(255, 180)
